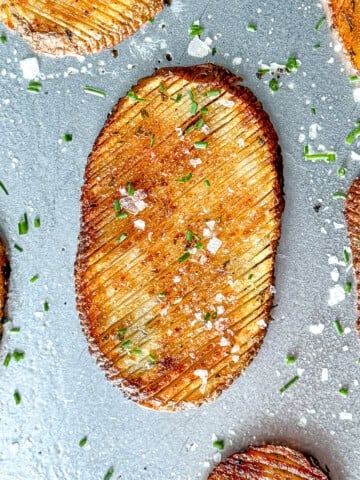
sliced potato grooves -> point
(352, 214)
(268, 462)
(181, 212)
(4, 277)
(76, 27)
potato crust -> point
(268, 462)
(175, 297)
(4, 276)
(352, 215)
(76, 27)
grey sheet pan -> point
(64, 394)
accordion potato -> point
(181, 211)
(352, 214)
(344, 16)
(76, 27)
(268, 462)
(4, 277)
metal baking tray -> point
(64, 394)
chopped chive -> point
(193, 108)
(201, 145)
(195, 30)
(3, 39)
(196, 125)
(313, 110)
(214, 316)
(162, 87)
(218, 444)
(5, 319)
(274, 85)
(320, 23)
(177, 98)
(122, 238)
(212, 93)
(117, 205)
(34, 87)
(17, 397)
(23, 225)
(161, 295)
(109, 474)
(207, 316)
(316, 46)
(329, 157)
(290, 360)
(213, 51)
(348, 287)
(122, 215)
(342, 171)
(134, 97)
(17, 355)
(82, 442)
(184, 179)
(292, 64)
(121, 332)
(207, 183)
(184, 257)
(151, 20)
(344, 392)
(289, 384)
(204, 111)
(20, 249)
(67, 137)
(262, 72)
(126, 344)
(199, 246)
(46, 306)
(151, 357)
(306, 149)
(346, 256)
(34, 279)
(130, 189)
(250, 276)
(7, 359)
(152, 140)
(3, 188)
(136, 351)
(337, 195)
(251, 28)
(353, 135)
(94, 91)
(15, 330)
(189, 236)
(353, 78)
(37, 222)
(338, 328)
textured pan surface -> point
(61, 27)
(345, 18)
(4, 276)
(352, 214)
(182, 347)
(268, 462)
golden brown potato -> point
(4, 276)
(345, 17)
(76, 27)
(266, 463)
(180, 222)
(352, 214)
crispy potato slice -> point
(352, 214)
(268, 462)
(76, 27)
(344, 16)
(180, 222)
(4, 276)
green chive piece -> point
(289, 384)
(122, 215)
(162, 87)
(184, 179)
(201, 145)
(338, 328)
(353, 135)
(207, 183)
(218, 444)
(193, 108)
(250, 276)
(199, 246)
(316, 46)
(151, 20)
(17, 397)
(329, 157)
(207, 316)
(130, 189)
(17, 355)
(344, 392)
(121, 332)
(15, 330)
(134, 97)
(5, 319)
(20, 249)
(46, 306)
(196, 125)
(34, 279)
(353, 78)
(251, 28)
(213, 51)
(177, 98)
(338, 195)
(212, 93)
(204, 111)
(152, 140)
(67, 137)
(37, 222)
(136, 351)
(82, 442)
(23, 225)
(320, 23)
(7, 359)
(151, 357)
(94, 91)
(184, 257)
(292, 64)
(126, 344)
(3, 188)
(274, 85)
(306, 149)
(195, 30)
(122, 238)
(262, 72)
(290, 360)
(117, 205)
(34, 87)
(348, 287)
(189, 236)
(109, 474)
(346, 256)
(313, 110)
(3, 39)
(342, 171)
(161, 295)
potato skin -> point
(4, 277)
(268, 462)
